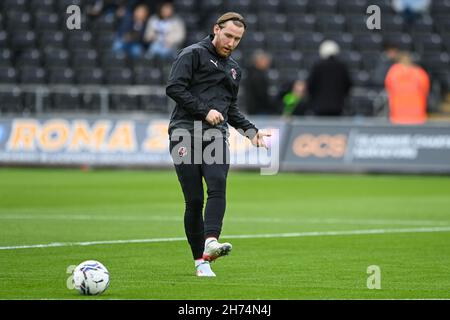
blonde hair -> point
(238, 20)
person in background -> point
(165, 32)
(293, 100)
(329, 82)
(130, 36)
(407, 86)
(411, 9)
(118, 8)
(256, 85)
(384, 63)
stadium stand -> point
(37, 48)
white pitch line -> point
(248, 236)
(81, 217)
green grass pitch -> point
(43, 206)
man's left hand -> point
(258, 139)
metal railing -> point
(104, 92)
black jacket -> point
(328, 85)
(201, 80)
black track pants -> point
(190, 176)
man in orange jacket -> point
(408, 86)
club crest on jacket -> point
(234, 73)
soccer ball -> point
(91, 278)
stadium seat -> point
(62, 5)
(267, 6)
(33, 75)
(272, 22)
(427, 43)
(331, 23)
(279, 41)
(5, 58)
(153, 103)
(104, 40)
(46, 22)
(368, 42)
(17, 20)
(86, 58)
(295, 6)
(253, 40)
(119, 76)
(392, 24)
(308, 41)
(109, 59)
(440, 7)
(13, 5)
(436, 61)
(148, 76)
(56, 57)
(353, 6)
(351, 58)
(310, 59)
(422, 26)
(184, 5)
(41, 5)
(401, 40)
(300, 22)
(241, 6)
(360, 78)
(66, 101)
(103, 23)
(61, 76)
(89, 76)
(124, 102)
(11, 101)
(52, 39)
(31, 57)
(79, 40)
(344, 40)
(23, 39)
(8, 75)
(323, 6)
(3, 39)
(289, 59)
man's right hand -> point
(214, 117)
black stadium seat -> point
(5, 58)
(44, 21)
(61, 76)
(23, 39)
(119, 76)
(89, 75)
(86, 58)
(11, 101)
(57, 57)
(52, 39)
(30, 57)
(18, 20)
(34, 75)
(8, 75)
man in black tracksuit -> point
(204, 82)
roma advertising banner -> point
(112, 142)
(83, 141)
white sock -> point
(208, 240)
(198, 262)
(204, 269)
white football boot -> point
(203, 269)
(214, 249)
